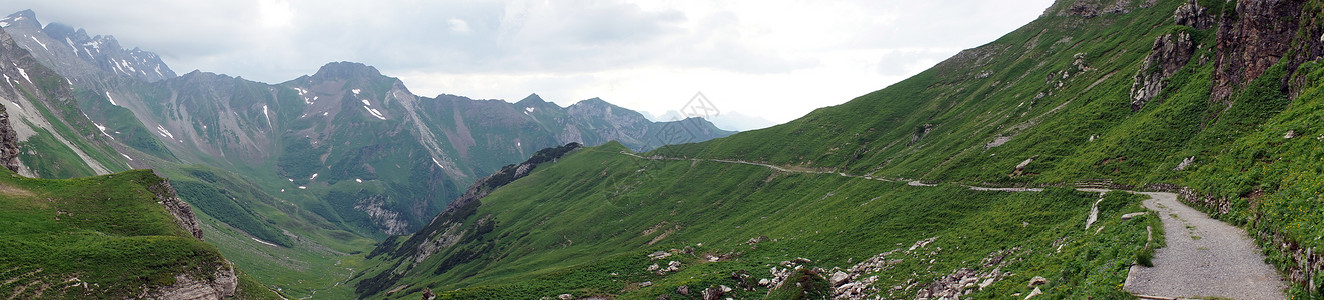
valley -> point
(1108, 149)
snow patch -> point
(325, 113)
(24, 73)
(291, 179)
(4, 24)
(112, 100)
(356, 91)
(126, 156)
(366, 103)
(303, 187)
(528, 109)
(434, 160)
(375, 113)
(102, 129)
(314, 176)
(263, 242)
(264, 113)
(164, 133)
(43, 45)
(358, 180)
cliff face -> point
(8, 143)
(1256, 36)
(183, 213)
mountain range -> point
(1006, 171)
(343, 156)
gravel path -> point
(1204, 258)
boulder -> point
(1038, 280)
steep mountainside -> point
(1216, 100)
(295, 177)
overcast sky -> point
(775, 59)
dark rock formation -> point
(1170, 53)
(1251, 40)
(183, 213)
(1193, 15)
(8, 143)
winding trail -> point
(1203, 258)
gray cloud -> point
(779, 52)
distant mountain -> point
(323, 163)
(73, 52)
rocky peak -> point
(56, 43)
(345, 71)
(25, 17)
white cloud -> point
(776, 59)
(459, 26)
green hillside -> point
(103, 237)
(1212, 99)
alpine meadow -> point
(1108, 149)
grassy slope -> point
(1082, 129)
(107, 231)
(572, 236)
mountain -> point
(120, 235)
(290, 178)
(76, 54)
(1217, 101)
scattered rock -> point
(714, 293)
(653, 267)
(756, 240)
(839, 278)
(1033, 293)
(764, 282)
(1290, 134)
(566, 297)
(646, 284)
(658, 255)
(1132, 215)
(428, 295)
(1184, 163)
(683, 290)
(1038, 280)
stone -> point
(566, 297)
(839, 278)
(1033, 293)
(1132, 215)
(646, 284)
(683, 290)
(1038, 280)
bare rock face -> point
(183, 213)
(8, 143)
(1171, 52)
(224, 284)
(1193, 15)
(1250, 41)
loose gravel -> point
(1204, 258)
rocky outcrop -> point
(1251, 40)
(222, 283)
(8, 143)
(386, 220)
(183, 213)
(1193, 15)
(1170, 53)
